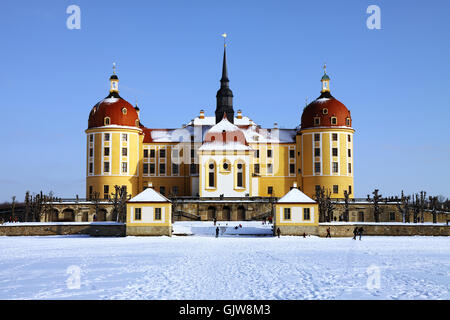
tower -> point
(326, 143)
(224, 95)
(114, 139)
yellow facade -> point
(113, 158)
(279, 168)
(327, 161)
(170, 161)
(298, 216)
(165, 220)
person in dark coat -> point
(270, 220)
(304, 235)
(215, 220)
(355, 233)
(360, 232)
(217, 232)
(278, 232)
(328, 233)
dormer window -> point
(137, 123)
(317, 121)
(124, 110)
(347, 121)
(107, 121)
(333, 120)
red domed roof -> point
(325, 108)
(118, 110)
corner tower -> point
(113, 142)
(224, 95)
(326, 144)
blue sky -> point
(395, 80)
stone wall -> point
(99, 230)
(297, 230)
(346, 230)
(149, 231)
(363, 212)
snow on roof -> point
(254, 135)
(149, 195)
(219, 145)
(110, 100)
(223, 125)
(296, 196)
(322, 100)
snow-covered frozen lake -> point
(201, 267)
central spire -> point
(224, 95)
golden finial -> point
(224, 35)
(325, 68)
(114, 68)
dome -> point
(320, 112)
(119, 111)
(225, 136)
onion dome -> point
(113, 110)
(326, 111)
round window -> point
(225, 166)
(325, 111)
(239, 166)
(211, 166)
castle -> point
(225, 156)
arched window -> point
(124, 110)
(317, 121)
(347, 121)
(240, 175)
(333, 120)
(137, 123)
(107, 121)
(211, 175)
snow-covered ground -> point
(200, 267)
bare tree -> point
(346, 217)
(329, 207)
(377, 198)
(27, 206)
(120, 198)
(423, 199)
(95, 199)
(416, 207)
(433, 207)
(320, 198)
(403, 207)
(13, 207)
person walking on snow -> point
(360, 231)
(328, 233)
(217, 232)
(278, 232)
(355, 233)
(215, 221)
(270, 220)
